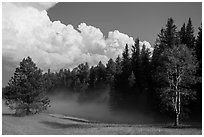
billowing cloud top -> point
(28, 31)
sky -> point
(137, 19)
(63, 35)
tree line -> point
(167, 80)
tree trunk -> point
(178, 109)
(177, 119)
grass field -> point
(44, 124)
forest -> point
(167, 81)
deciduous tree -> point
(178, 74)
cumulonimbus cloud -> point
(28, 31)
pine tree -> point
(92, 77)
(83, 72)
(197, 105)
(118, 65)
(110, 71)
(182, 34)
(170, 34)
(118, 72)
(135, 61)
(145, 68)
(26, 94)
(126, 66)
(167, 38)
(198, 49)
(190, 39)
(100, 73)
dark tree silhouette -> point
(198, 49)
(135, 62)
(182, 34)
(26, 94)
(117, 77)
(190, 38)
(170, 36)
(92, 77)
(197, 105)
(144, 68)
(126, 67)
(110, 71)
(83, 72)
(100, 73)
(167, 38)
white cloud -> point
(147, 45)
(38, 5)
(116, 42)
(28, 31)
(93, 39)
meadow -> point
(45, 124)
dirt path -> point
(44, 124)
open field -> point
(42, 124)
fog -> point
(94, 107)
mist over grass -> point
(94, 106)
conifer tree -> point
(100, 73)
(110, 71)
(126, 66)
(182, 34)
(26, 94)
(190, 38)
(198, 49)
(135, 62)
(170, 34)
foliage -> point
(25, 89)
(174, 67)
(178, 74)
(190, 39)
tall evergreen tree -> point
(190, 38)
(167, 38)
(26, 94)
(92, 77)
(170, 34)
(100, 73)
(126, 66)
(182, 34)
(110, 71)
(118, 65)
(135, 62)
(83, 72)
(145, 68)
(118, 72)
(198, 49)
(197, 105)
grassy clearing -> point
(44, 124)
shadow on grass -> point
(62, 125)
(9, 114)
(184, 126)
